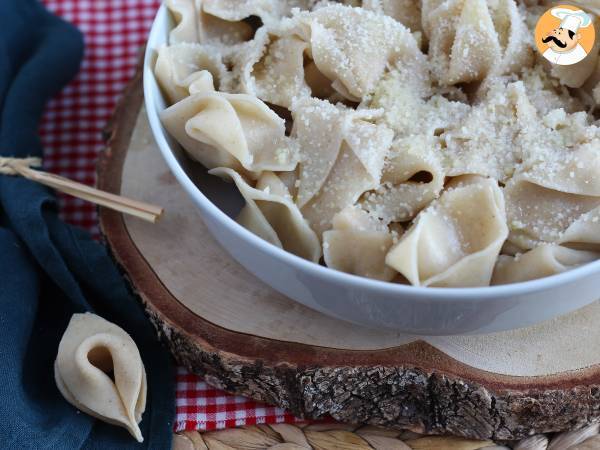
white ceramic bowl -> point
(424, 311)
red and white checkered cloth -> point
(115, 30)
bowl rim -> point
(317, 270)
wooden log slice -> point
(221, 322)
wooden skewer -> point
(142, 210)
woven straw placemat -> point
(340, 436)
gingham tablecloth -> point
(115, 30)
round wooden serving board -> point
(221, 322)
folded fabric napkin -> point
(50, 270)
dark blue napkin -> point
(50, 270)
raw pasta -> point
(425, 133)
(90, 350)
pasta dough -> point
(426, 133)
(99, 370)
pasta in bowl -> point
(353, 147)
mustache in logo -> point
(556, 41)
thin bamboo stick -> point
(142, 210)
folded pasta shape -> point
(193, 24)
(179, 66)
(99, 370)
(400, 198)
(456, 241)
(342, 156)
(543, 261)
(271, 214)
(268, 10)
(537, 214)
(584, 233)
(407, 12)
(569, 170)
(370, 242)
(353, 47)
(471, 39)
(230, 130)
(235, 10)
(557, 185)
(273, 68)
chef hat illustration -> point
(572, 20)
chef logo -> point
(565, 35)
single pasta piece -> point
(271, 214)
(357, 244)
(90, 350)
(193, 24)
(456, 241)
(273, 68)
(235, 10)
(551, 197)
(179, 65)
(230, 130)
(407, 12)
(471, 39)
(399, 198)
(353, 47)
(584, 233)
(543, 261)
(539, 215)
(269, 11)
(568, 167)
